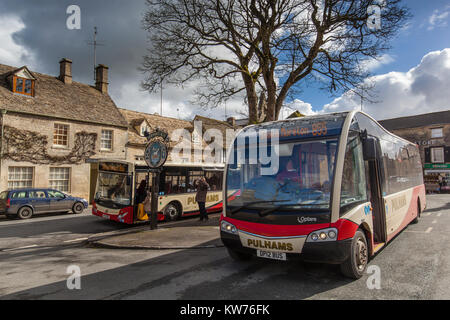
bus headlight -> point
(329, 234)
(228, 227)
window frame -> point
(432, 154)
(441, 133)
(55, 145)
(69, 179)
(21, 180)
(31, 93)
(111, 140)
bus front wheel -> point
(355, 266)
(172, 212)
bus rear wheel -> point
(172, 212)
(355, 266)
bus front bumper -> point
(332, 252)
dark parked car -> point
(23, 203)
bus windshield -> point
(113, 190)
(302, 182)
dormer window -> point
(23, 86)
(22, 81)
(144, 128)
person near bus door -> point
(142, 201)
(200, 197)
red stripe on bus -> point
(346, 228)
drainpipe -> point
(3, 112)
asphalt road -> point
(415, 265)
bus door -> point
(372, 153)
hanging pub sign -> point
(156, 152)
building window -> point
(106, 140)
(60, 179)
(144, 129)
(23, 86)
(436, 133)
(61, 135)
(20, 177)
(437, 155)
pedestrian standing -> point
(441, 182)
(200, 197)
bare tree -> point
(264, 49)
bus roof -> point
(305, 127)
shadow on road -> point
(85, 224)
(192, 274)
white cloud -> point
(12, 53)
(296, 105)
(422, 89)
(439, 18)
(374, 63)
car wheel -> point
(78, 208)
(25, 213)
(355, 266)
(172, 212)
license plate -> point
(271, 255)
(106, 216)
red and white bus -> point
(115, 196)
(344, 187)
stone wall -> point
(79, 173)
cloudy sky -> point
(412, 78)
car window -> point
(4, 195)
(37, 195)
(55, 194)
(19, 195)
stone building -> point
(52, 127)
(431, 132)
(139, 123)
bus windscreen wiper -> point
(245, 206)
(270, 210)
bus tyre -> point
(25, 213)
(172, 212)
(238, 256)
(355, 266)
(416, 220)
(78, 208)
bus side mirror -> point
(370, 147)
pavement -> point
(188, 234)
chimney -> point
(101, 78)
(65, 71)
(231, 121)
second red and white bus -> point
(116, 199)
(344, 188)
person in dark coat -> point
(200, 197)
(141, 192)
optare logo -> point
(306, 219)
